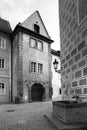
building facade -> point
(56, 77)
(73, 33)
(5, 61)
(30, 61)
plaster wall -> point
(5, 73)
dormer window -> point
(36, 28)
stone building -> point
(73, 33)
(70, 112)
(28, 57)
(5, 60)
(56, 77)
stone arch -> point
(32, 83)
(37, 92)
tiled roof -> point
(5, 26)
(54, 52)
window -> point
(2, 88)
(39, 45)
(2, 64)
(2, 43)
(60, 91)
(36, 44)
(40, 68)
(33, 43)
(36, 28)
(33, 66)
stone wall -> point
(43, 57)
(73, 50)
(5, 73)
(20, 66)
(14, 66)
(17, 66)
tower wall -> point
(73, 33)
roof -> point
(5, 26)
(56, 53)
(20, 28)
(35, 20)
(42, 23)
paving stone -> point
(29, 116)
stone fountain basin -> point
(70, 111)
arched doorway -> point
(37, 92)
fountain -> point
(70, 111)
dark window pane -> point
(36, 28)
(2, 63)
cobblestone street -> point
(28, 116)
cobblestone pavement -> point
(27, 116)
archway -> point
(37, 92)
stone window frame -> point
(2, 88)
(40, 68)
(2, 43)
(37, 28)
(2, 63)
(37, 41)
(33, 67)
(31, 38)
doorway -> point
(37, 92)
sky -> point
(16, 11)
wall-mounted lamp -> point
(55, 64)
